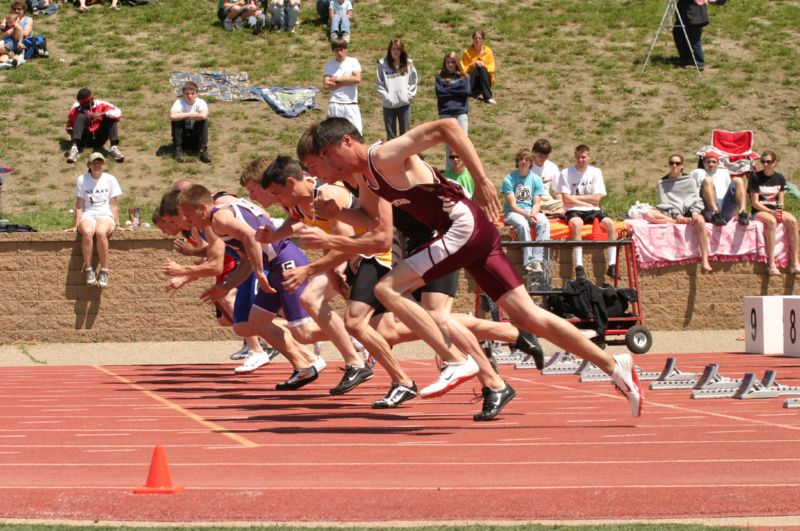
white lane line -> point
(102, 435)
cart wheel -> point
(638, 339)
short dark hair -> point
(338, 44)
(582, 148)
(83, 94)
(306, 145)
(331, 131)
(542, 146)
(169, 204)
(280, 170)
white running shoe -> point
(319, 364)
(256, 360)
(451, 376)
(242, 353)
(318, 348)
(627, 382)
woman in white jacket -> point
(397, 85)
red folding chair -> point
(735, 149)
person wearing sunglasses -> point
(460, 174)
(679, 202)
(766, 189)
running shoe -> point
(450, 377)
(242, 353)
(529, 344)
(256, 360)
(352, 378)
(627, 382)
(396, 396)
(298, 379)
(271, 352)
(102, 278)
(91, 278)
(494, 402)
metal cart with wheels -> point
(629, 329)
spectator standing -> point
(679, 202)
(452, 96)
(460, 174)
(478, 62)
(523, 190)
(396, 80)
(340, 14)
(342, 75)
(189, 119)
(96, 216)
(767, 188)
(694, 14)
(582, 187)
(549, 172)
(92, 122)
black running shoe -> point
(529, 344)
(298, 379)
(744, 219)
(353, 376)
(718, 220)
(494, 402)
(611, 272)
(396, 396)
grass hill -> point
(568, 70)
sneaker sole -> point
(455, 383)
(337, 392)
(248, 371)
(385, 405)
(298, 385)
(641, 393)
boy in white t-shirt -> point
(722, 194)
(189, 119)
(96, 216)
(549, 172)
(341, 76)
(582, 187)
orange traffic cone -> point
(159, 480)
(598, 233)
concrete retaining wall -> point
(44, 298)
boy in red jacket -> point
(92, 122)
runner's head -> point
(250, 180)
(334, 140)
(195, 204)
(283, 179)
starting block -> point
(672, 378)
(766, 388)
(792, 403)
(493, 349)
(596, 375)
(713, 385)
(526, 363)
(562, 363)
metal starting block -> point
(526, 363)
(792, 403)
(672, 378)
(594, 374)
(766, 388)
(562, 363)
(713, 385)
(495, 350)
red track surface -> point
(75, 441)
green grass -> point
(569, 71)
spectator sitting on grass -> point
(284, 14)
(11, 31)
(232, 14)
(96, 216)
(478, 62)
(523, 190)
(340, 14)
(82, 5)
(92, 122)
(189, 119)
(679, 202)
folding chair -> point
(735, 149)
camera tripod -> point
(671, 14)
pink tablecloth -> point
(671, 243)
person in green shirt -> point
(460, 174)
